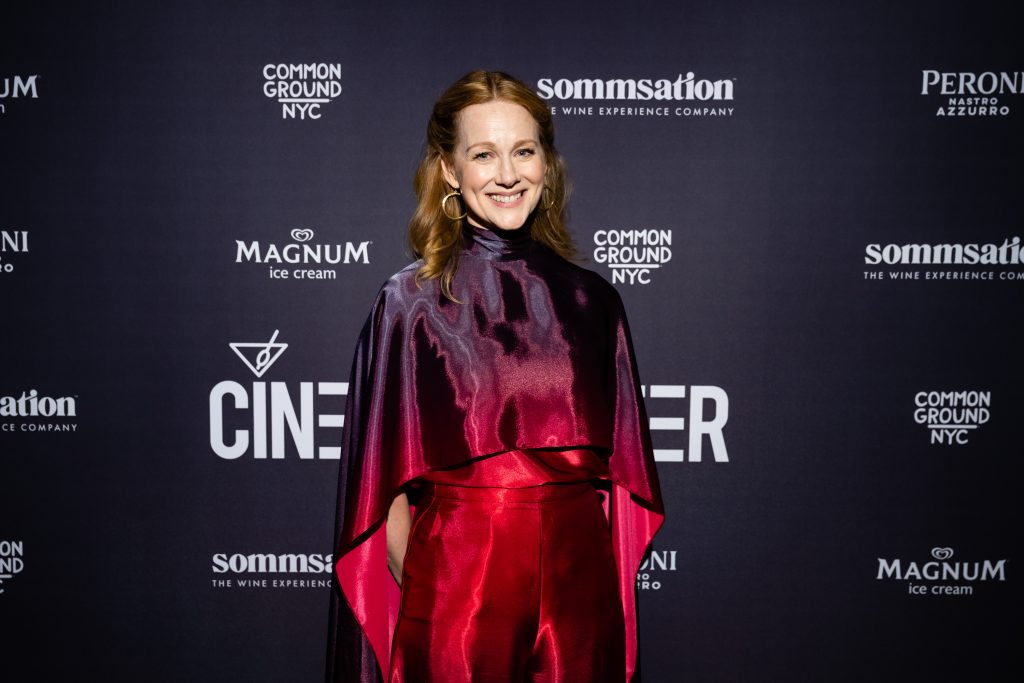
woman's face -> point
(498, 164)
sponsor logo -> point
(972, 94)
(38, 413)
(703, 97)
(11, 242)
(251, 571)
(941, 575)
(257, 419)
(265, 353)
(967, 261)
(708, 413)
(302, 89)
(301, 259)
(631, 255)
(17, 87)
(653, 571)
(11, 561)
(951, 415)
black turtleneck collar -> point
(498, 244)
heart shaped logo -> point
(302, 234)
(942, 553)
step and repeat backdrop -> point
(811, 210)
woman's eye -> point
(526, 152)
(482, 155)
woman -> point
(494, 387)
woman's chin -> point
(505, 223)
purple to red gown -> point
(537, 356)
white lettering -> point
(688, 88)
(274, 420)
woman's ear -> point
(449, 175)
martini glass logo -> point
(259, 356)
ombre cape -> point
(537, 355)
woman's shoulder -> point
(402, 287)
(404, 277)
(588, 280)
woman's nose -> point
(508, 174)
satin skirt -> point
(509, 585)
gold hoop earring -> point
(444, 206)
(551, 204)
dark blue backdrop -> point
(143, 159)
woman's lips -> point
(505, 201)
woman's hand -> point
(397, 529)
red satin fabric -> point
(536, 356)
(510, 584)
(519, 469)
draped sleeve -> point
(364, 603)
(635, 510)
(536, 356)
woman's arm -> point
(397, 530)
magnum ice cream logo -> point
(17, 87)
(941, 575)
(302, 259)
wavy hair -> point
(436, 238)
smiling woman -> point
(497, 165)
(494, 394)
(473, 111)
